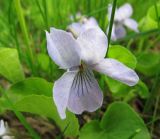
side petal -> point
(61, 92)
(85, 93)
(125, 11)
(132, 24)
(93, 44)
(118, 71)
(62, 48)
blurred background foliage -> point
(27, 71)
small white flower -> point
(77, 90)
(4, 130)
(76, 28)
(121, 19)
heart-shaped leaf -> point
(120, 121)
(34, 95)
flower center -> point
(81, 67)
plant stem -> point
(21, 19)
(111, 23)
(21, 117)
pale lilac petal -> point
(132, 24)
(90, 23)
(119, 31)
(125, 11)
(61, 91)
(85, 93)
(118, 71)
(62, 48)
(76, 29)
(109, 11)
(93, 44)
(113, 34)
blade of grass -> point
(97, 11)
(45, 12)
(111, 23)
(20, 116)
(156, 10)
(155, 113)
(136, 35)
(153, 93)
(13, 29)
(23, 26)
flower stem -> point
(111, 23)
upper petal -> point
(125, 11)
(76, 29)
(61, 92)
(90, 23)
(118, 71)
(132, 24)
(93, 44)
(62, 48)
(85, 93)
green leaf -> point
(149, 22)
(123, 55)
(92, 130)
(120, 121)
(34, 95)
(120, 90)
(152, 12)
(117, 88)
(43, 61)
(148, 63)
(10, 66)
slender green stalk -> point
(129, 43)
(13, 30)
(97, 11)
(21, 19)
(155, 113)
(111, 23)
(45, 12)
(136, 35)
(88, 3)
(153, 93)
(21, 117)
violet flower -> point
(121, 20)
(77, 90)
